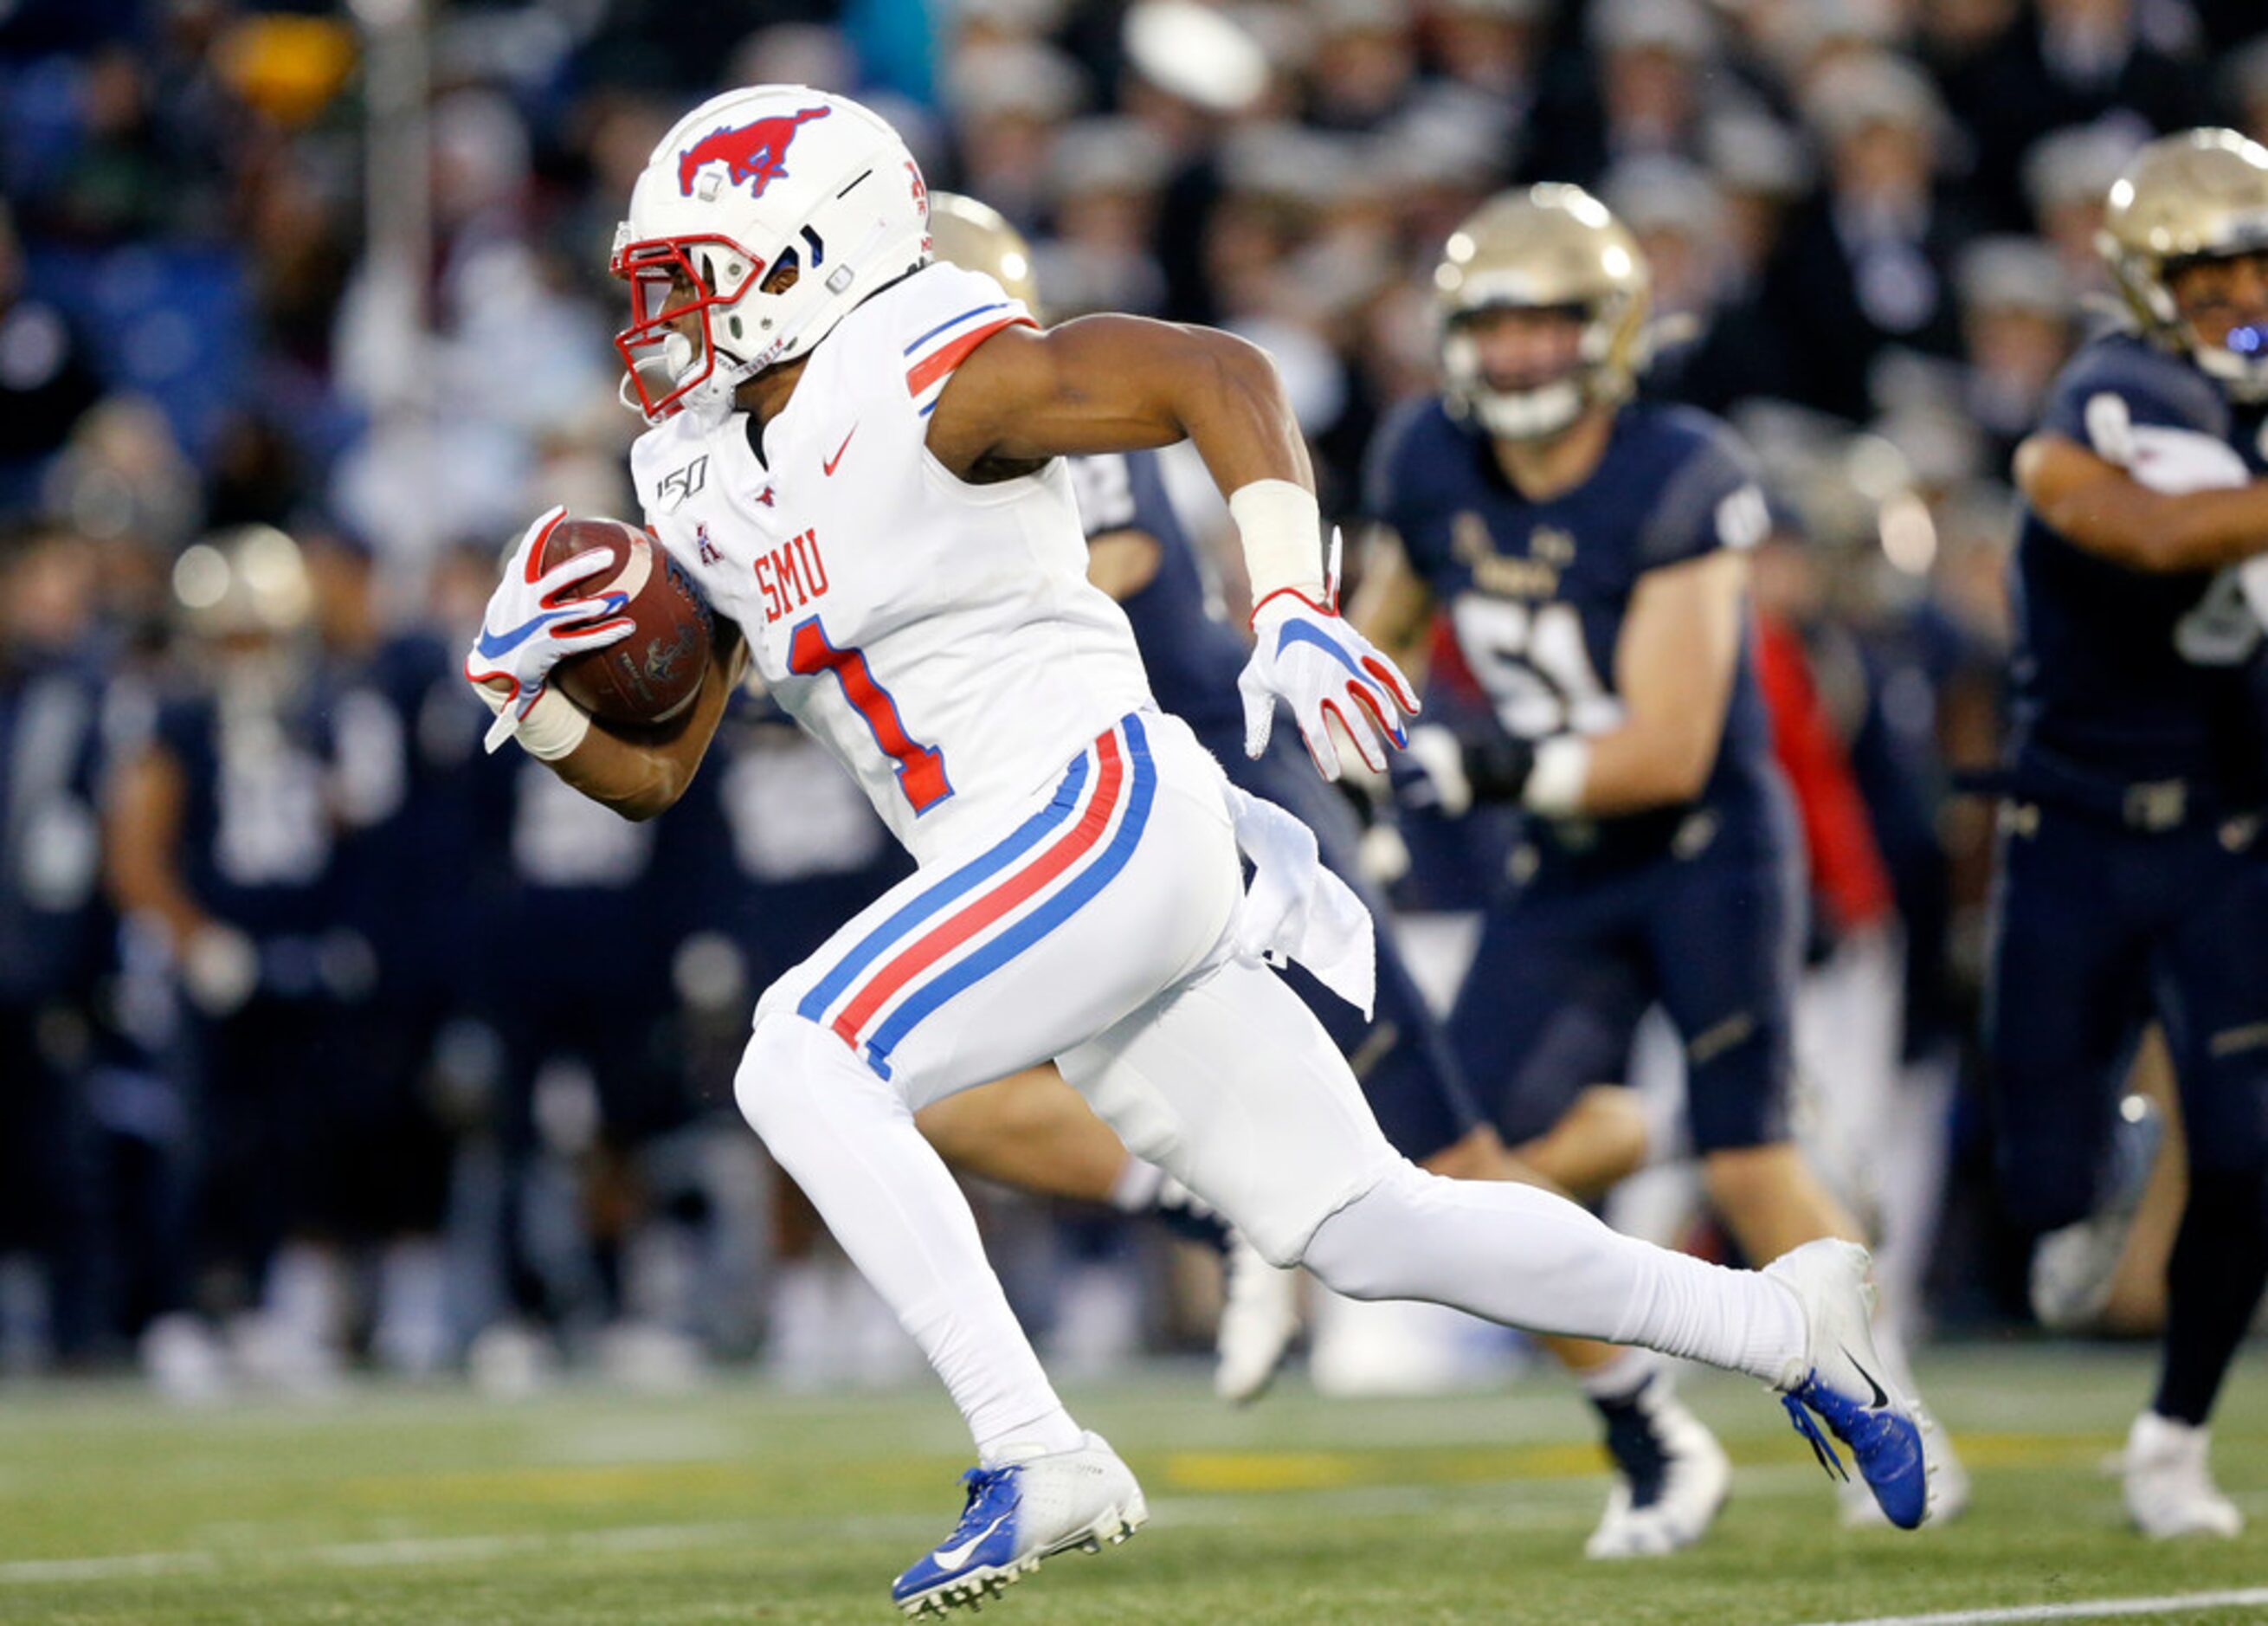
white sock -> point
(849, 1140)
(1741, 1320)
(1530, 1259)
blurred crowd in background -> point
(305, 313)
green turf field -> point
(743, 1504)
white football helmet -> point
(749, 183)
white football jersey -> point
(941, 640)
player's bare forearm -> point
(1673, 665)
(1120, 384)
(2096, 505)
(1392, 606)
(142, 836)
(641, 774)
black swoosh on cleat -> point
(1881, 1400)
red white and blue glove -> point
(1305, 654)
(533, 622)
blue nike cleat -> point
(1838, 1383)
(1017, 1514)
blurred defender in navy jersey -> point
(2132, 884)
(779, 845)
(53, 923)
(1670, 1473)
(592, 1066)
(221, 852)
(1590, 553)
(402, 756)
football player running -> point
(1590, 551)
(2132, 881)
(858, 454)
(1671, 1476)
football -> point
(652, 675)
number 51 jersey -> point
(1536, 591)
(941, 639)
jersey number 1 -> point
(921, 768)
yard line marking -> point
(427, 1549)
(107, 1568)
(412, 1550)
(2095, 1609)
(1538, 1504)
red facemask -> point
(659, 271)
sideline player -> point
(1590, 554)
(2131, 883)
(221, 848)
(855, 451)
(1671, 1476)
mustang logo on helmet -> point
(756, 151)
(745, 179)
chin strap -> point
(1530, 414)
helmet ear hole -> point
(786, 272)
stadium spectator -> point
(1718, 347)
(2018, 321)
(2067, 174)
(2073, 61)
(1865, 266)
(46, 381)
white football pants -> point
(1094, 931)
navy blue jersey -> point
(774, 844)
(257, 836)
(580, 874)
(403, 746)
(51, 910)
(1192, 654)
(2130, 675)
(1536, 591)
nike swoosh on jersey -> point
(828, 466)
(953, 1557)
(1881, 1399)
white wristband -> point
(1555, 784)
(1282, 529)
(554, 726)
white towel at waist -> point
(1296, 910)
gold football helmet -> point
(249, 580)
(1541, 248)
(976, 237)
(2202, 194)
